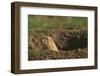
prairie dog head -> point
(49, 42)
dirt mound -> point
(58, 40)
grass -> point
(42, 23)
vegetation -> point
(48, 23)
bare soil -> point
(71, 44)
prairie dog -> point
(50, 43)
